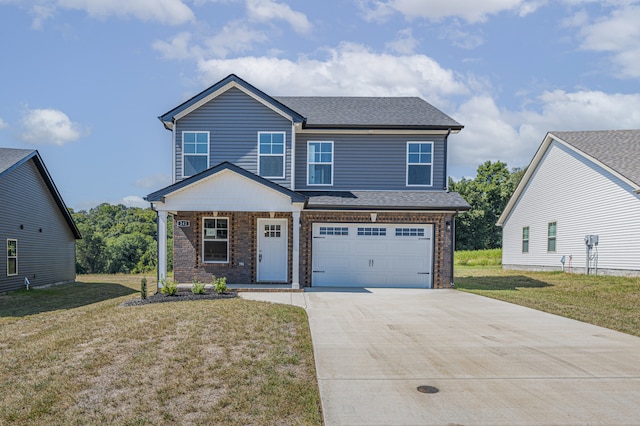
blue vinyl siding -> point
(370, 162)
(233, 121)
(45, 257)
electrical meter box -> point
(591, 240)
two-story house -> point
(309, 191)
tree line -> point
(118, 239)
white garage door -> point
(372, 255)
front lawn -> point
(72, 354)
(610, 302)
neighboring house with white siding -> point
(578, 184)
(37, 233)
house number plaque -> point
(184, 223)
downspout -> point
(293, 156)
(173, 153)
(453, 247)
(446, 160)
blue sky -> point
(83, 81)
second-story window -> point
(319, 163)
(271, 154)
(195, 153)
(419, 163)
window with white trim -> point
(320, 163)
(271, 154)
(12, 257)
(375, 232)
(195, 153)
(525, 239)
(215, 240)
(409, 232)
(419, 163)
(551, 236)
(334, 230)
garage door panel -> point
(364, 255)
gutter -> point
(446, 160)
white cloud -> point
(513, 136)
(235, 37)
(267, 10)
(618, 34)
(49, 127)
(134, 201)
(3, 124)
(172, 12)
(349, 70)
(404, 43)
(178, 47)
(154, 182)
(470, 11)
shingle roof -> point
(10, 158)
(617, 149)
(369, 112)
(388, 200)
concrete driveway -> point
(493, 363)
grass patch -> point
(72, 354)
(478, 257)
(607, 301)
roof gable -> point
(369, 112)
(212, 92)
(10, 159)
(616, 151)
(159, 196)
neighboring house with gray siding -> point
(37, 233)
(308, 191)
(578, 184)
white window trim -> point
(200, 155)
(283, 155)
(528, 239)
(554, 237)
(12, 257)
(216, 239)
(407, 164)
(309, 163)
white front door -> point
(272, 250)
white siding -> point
(583, 199)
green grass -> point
(607, 301)
(478, 257)
(72, 355)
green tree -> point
(488, 194)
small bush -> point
(143, 288)
(169, 287)
(220, 284)
(197, 287)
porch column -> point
(162, 247)
(295, 282)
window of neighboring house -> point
(551, 236)
(195, 153)
(271, 154)
(319, 163)
(12, 257)
(525, 239)
(419, 163)
(215, 240)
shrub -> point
(197, 287)
(169, 287)
(220, 284)
(143, 288)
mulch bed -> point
(181, 296)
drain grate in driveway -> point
(428, 389)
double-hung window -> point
(525, 239)
(320, 163)
(195, 153)
(215, 240)
(271, 154)
(419, 163)
(551, 237)
(12, 257)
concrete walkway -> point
(492, 363)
